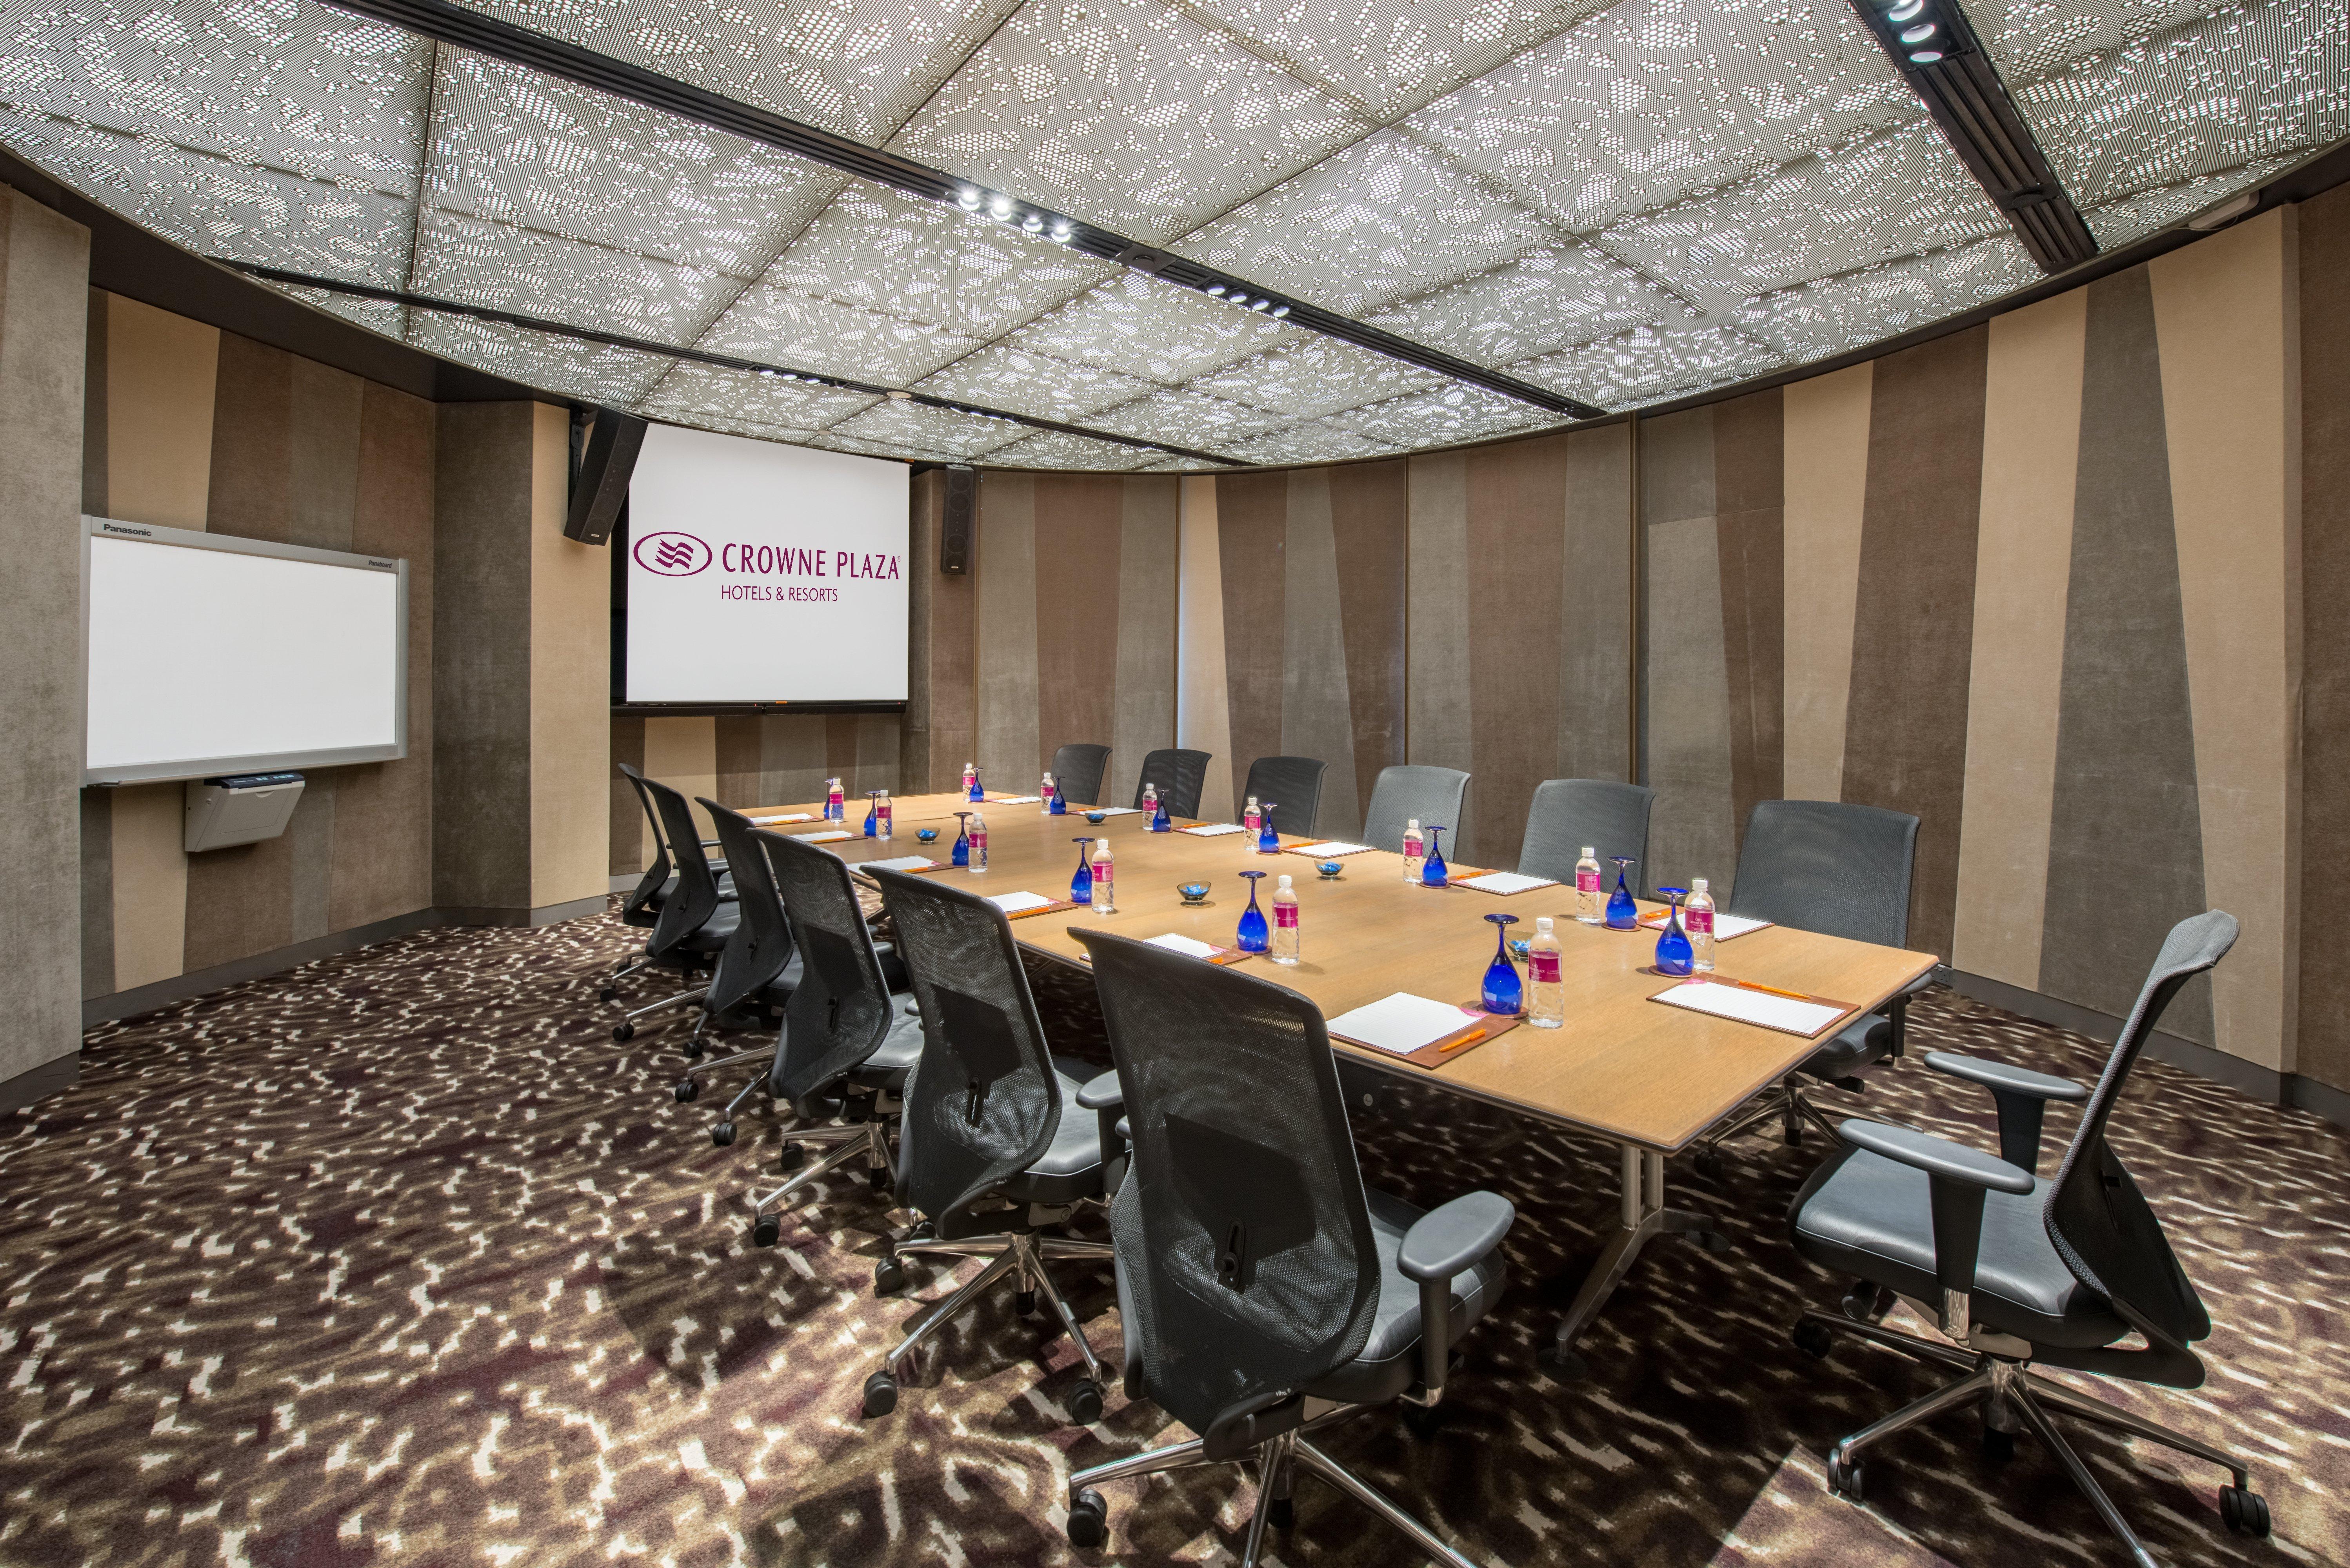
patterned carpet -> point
(398, 1259)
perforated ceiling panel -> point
(1622, 203)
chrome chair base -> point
(1022, 1254)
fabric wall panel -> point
(1007, 741)
(1827, 480)
(1203, 702)
(1516, 550)
(322, 453)
(1149, 559)
(794, 761)
(682, 752)
(1079, 528)
(632, 848)
(2126, 852)
(1595, 728)
(98, 892)
(2024, 552)
(1316, 706)
(93, 405)
(147, 903)
(571, 681)
(158, 374)
(1436, 657)
(251, 486)
(1905, 717)
(2230, 397)
(1252, 553)
(1748, 468)
(1692, 831)
(1371, 531)
(2323, 985)
(939, 736)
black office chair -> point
(640, 909)
(847, 1042)
(1843, 870)
(1294, 786)
(697, 917)
(1430, 797)
(1267, 1294)
(1181, 775)
(2017, 1269)
(757, 970)
(1077, 774)
(989, 1136)
(1568, 815)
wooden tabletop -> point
(1632, 1068)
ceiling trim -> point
(463, 28)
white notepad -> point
(1013, 799)
(1785, 1013)
(1507, 882)
(1401, 1022)
(787, 817)
(1106, 810)
(833, 836)
(1724, 926)
(1212, 829)
(899, 863)
(1014, 903)
(1190, 946)
(1330, 851)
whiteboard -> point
(206, 654)
(765, 573)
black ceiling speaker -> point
(599, 484)
(954, 528)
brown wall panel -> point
(1079, 521)
(1517, 573)
(1372, 531)
(1748, 465)
(2324, 262)
(252, 492)
(1253, 534)
(629, 849)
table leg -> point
(1642, 1215)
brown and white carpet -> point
(398, 1259)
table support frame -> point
(1642, 1215)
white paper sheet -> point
(1401, 1022)
(1804, 1018)
(1015, 799)
(1329, 851)
(1214, 829)
(1012, 903)
(833, 836)
(1106, 810)
(1724, 926)
(1191, 947)
(1507, 882)
(899, 863)
(787, 817)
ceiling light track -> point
(1936, 50)
(703, 357)
(466, 28)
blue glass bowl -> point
(1519, 946)
(1193, 892)
(1096, 816)
(1329, 869)
(927, 834)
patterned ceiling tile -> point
(1052, 448)
(881, 251)
(1381, 219)
(519, 147)
(564, 365)
(1143, 328)
(1314, 377)
(1309, 441)
(375, 314)
(832, 441)
(1643, 366)
(694, 394)
(926, 430)
(1020, 382)
(1187, 419)
(1558, 295)
(2029, 39)
(1834, 315)
(1126, 114)
(1453, 413)
(1652, 100)
(781, 327)
(2118, 223)
(504, 267)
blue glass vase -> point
(1081, 886)
(872, 813)
(1623, 914)
(1433, 870)
(1502, 991)
(1160, 822)
(962, 840)
(976, 792)
(1673, 954)
(1268, 840)
(1253, 938)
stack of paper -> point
(1724, 926)
(1016, 903)
(1506, 882)
(1212, 829)
(1105, 810)
(899, 863)
(1329, 851)
(1401, 1022)
(787, 817)
(831, 836)
(1013, 799)
(1766, 1008)
(1190, 946)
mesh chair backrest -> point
(2101, 1224)
(983, 1102)
(840, 1011)
(1568, 813)
(1181, 775)
(1077, 774)
(1242, 1227)
(1429, 795)
(1294, 785)
(696, 899)
(656, 875)
(1829, 867)
(761, 948)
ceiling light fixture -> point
(1925, 56)
(1217, 289)
(1001, 206)
(968, 199)
(1280, 310)
(1259, 304)
(1061, 231)
(1919, 33)
(1033, 224)
(1905, 10)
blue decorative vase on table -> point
(1081, 886)
(962, 840)
(1253, 936)
(1433, 872)
(1674, 956)
(1502, 991)
(1623, 914)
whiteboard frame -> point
(94, 527)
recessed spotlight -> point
(1061, 231)
(1001, 206)
(1217, 289)
(1904, 10)
(1281, 310)
(968, 197)
(1033, 224)
(1919, 34)
(1925, 56)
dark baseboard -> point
(39, 1083)
(547, 915)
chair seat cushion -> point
(1389, 1362)
(1071, 1166)
(1859, 1043)
(896, 1056)
(1872, 1218)
(714, 932)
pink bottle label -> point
(978, 841)
(1699, 922)
(1543, 968)
(1285, 917)
(1104, 878)
(1586, 881)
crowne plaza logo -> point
(672, 555)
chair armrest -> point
(2021, 1094)
(1104, 1097)
(1958, 1178)
(1102, 1094)
(1440, 1245)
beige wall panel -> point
(1317, 710)
(2226, 322)
(150, 883)
(1435, 639)
(1005, 636)
(1827, 481)
(684, 754)
(571, 683)
(161, 370)
(1149, 540)
(1203, 714)
(2031, 447)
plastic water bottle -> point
(974, 792)
(1697, 918)
(969, 774)
(1104, 879)
(1252, 818)
(1049, 794)
(977, 829)
(883, 818)
(1545, 992)
(1587, 888)
(835, 804)
(1151, 806)
(1415, 849)
(1284, 923)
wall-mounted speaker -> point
(955, 528)
(599, 485)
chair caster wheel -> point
(1564, 1365)
(1088, 1519)
(1812, 1338)
(888, 1277)
(1282, 1513)
(880, 1394)
(2244, 1511)
(1848, 1478)
(723, 1134)
(624, 1032)
(693, 1049)
(1086, 1402)
(1708, 1241)
(1865, 1302)
(923, 1231)
(877, 1179)
(1024, 1302)
(791, 1156)
(607, 995)
(766, 1229)
(1708, 1164)
(1792, 1136)
(1423, 1421)
(1998, 1447)
(687, 1089)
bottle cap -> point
(1697, 884)
(1586, 851)
(1411, 824)
(1284, 883)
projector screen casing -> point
(380, 710)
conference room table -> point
(1646, 1077)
